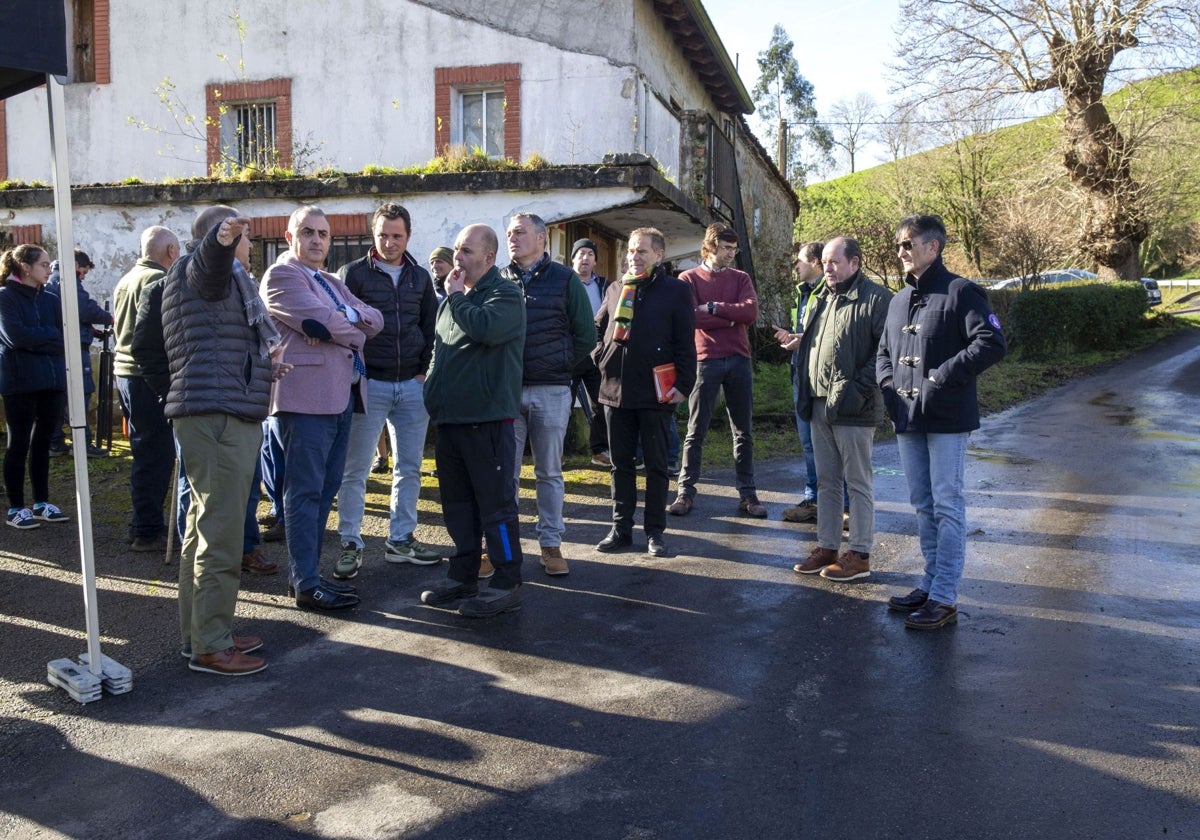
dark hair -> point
(392, 210)
(654, 235)
(810, 252)
(852, 249)
(716, 232)
(925, 227)
(82, 260)
(22, 254)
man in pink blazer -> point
(324, 328)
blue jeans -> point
(271, 465)
(933, 464)
(314, 447)
(804, 429)
(251, 538)
(401, 406)
(545, 413)
(152, 444)
(734, 375)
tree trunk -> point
(1097, 158)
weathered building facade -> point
(640, 122)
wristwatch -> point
(712, 307)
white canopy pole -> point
(75, 400)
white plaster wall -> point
(362, 82)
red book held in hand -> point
(664, 381)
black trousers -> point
(475, 465)
(625, 427)
(31, 420)
(597, 425)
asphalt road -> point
(715, 694)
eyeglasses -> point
(906, 245)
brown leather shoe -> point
(816, 561)
(243, 644)
(486, 569)
(751, 506)
(230, 662)
(850, 566)
(552, 560)
(256, 564)
(682, 505)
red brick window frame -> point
(448, 85)
(92, 59)
(275, 91)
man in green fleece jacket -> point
(472, 394)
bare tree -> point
(850, 123)
(1033, 46)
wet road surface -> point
(715, 694)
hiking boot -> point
(491, 602)
(410, 551)
(552, 560)
(682, 505)
(47, 512)
(817, 560)
(256, 564)
(486, 569)
(751, 506)
(850, 566)
(602, 459)
(380, 465)
(349, 562)
(228, 663)
(803, 511)
(448, 591)
(22, 518)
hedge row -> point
(1072, 317)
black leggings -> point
(31, 419)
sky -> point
(842, 48)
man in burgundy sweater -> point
(726, 304)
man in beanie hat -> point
(583, 259)
(441, 263)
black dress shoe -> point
(907, 603)
(615, 541)
(931, 616)
(656, 546)
(331, 585)
(320, 598)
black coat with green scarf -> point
(663, 330)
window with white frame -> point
(248, 134)
(481, 120)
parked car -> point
(1153, 293)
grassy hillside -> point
(1005, 195)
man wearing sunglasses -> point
(940, 335)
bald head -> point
(475, 252)
(161, 245)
